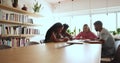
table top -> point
(53, 53)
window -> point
(109, 21)
(118, 17)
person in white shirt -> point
(108, 47)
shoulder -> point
(104, 31)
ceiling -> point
(76, 7)
(56, 1)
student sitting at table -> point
(54, 34)
(86, 33)
(108, 43)
(64, 32)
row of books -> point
(17, 17)
(16, 30)
(26, 30)
(14, 42)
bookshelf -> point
(18, 23)
(18, 36)
(18, 11)
(15, 27)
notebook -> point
(92, 41)
(75, 41)
(83, 41)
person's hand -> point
(66, 39)
(93, 39)
(102, 41)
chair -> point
(33, 43)
(4, 47)
(107, 58)
(116, 58)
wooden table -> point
(53, 53)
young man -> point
(106, 38)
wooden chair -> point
(4, 47)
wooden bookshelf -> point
(10, 22)
(30, 24)
(17, 23)
(14, 25)
(9, 35)
(21, 35)
(27, 35)
(18, 11)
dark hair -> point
(65, 26)
(85, 25)
(56, 26)
(53, 28)
(98, 23)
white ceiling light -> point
(72, 7)
(106, 7)
(90, 13)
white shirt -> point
(108, 45)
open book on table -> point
(82, 41)
(75, 41)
